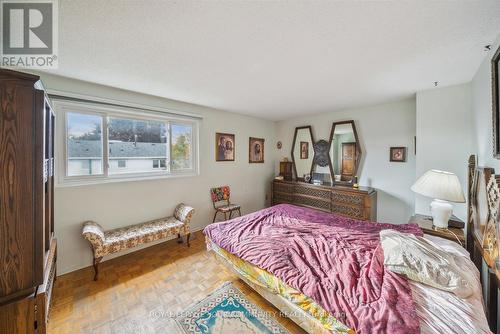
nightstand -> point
(453, 233)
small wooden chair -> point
(223, 194)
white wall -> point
(444, 137)
(482, 112)
(379, 127)
(120, 204)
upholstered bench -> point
(113, 241)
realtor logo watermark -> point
(29, 34)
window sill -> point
(79, 182)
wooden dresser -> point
(27, 243)
(358, 203)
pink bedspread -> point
(336, 261)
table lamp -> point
(443, 187)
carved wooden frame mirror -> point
(347, 148)
(495, 86)
(302, 151)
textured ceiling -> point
(275, 59)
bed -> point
(323, 271)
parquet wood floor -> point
(142, 291)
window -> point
(84, 144)
(159, 163)
(137, 142)
(181, 146)
(104, 143)
(85, 164)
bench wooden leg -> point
(187, 239)
(96, 267)
(179, 239)
(239, 211)
(215, 216)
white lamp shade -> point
(441, 185)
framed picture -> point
(304, 150)
(398, 154)
(256, 150)
(224, 147)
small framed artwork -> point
(398, 154)
(224, 146)
(256, 150)
(304, 150)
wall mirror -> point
(345, 152)
(495, 77)
(302, 151)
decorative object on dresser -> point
(27, 243)
(345, 152)
(302, 160)
(397, 154)
(113, 241)
(255, 150)
(452, 233)
(443, 187)
(321, 149)
(286, 170)
(358, 203)
(321, 163)
(495, 86)
(223, 195)
(225, 146)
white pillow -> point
(423, 261)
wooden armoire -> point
(27, 243)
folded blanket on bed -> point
(336, 261)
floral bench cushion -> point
(131, 236)
(112, 241)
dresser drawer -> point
(282, 198)
(313, 192)
(354, 203)
(317, 203)
(282, 188)
(355, 212)
(347, 198)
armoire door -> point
(21, 255)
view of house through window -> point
(84, 144)
(133, 145)
(136, 142)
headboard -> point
(483, 234)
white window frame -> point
(63, 107)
